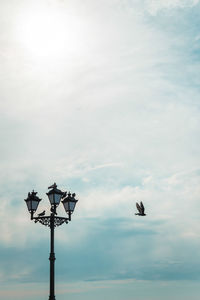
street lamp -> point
(55, 195)
(32, 203)
(69, 203)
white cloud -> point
(117, 125)
(154, 6)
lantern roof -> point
(32, 197)
(54, 190)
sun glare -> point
(49, 34)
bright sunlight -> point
(51, 33)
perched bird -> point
(53, 210)
(64, 194)
(53, 186)
(141, 209)
(41, 214)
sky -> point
(101, 97)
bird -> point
(53, 186)
(141, 209)
(64, 194)
(53, 210)
(41, 214)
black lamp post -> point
(69, 202)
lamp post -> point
(69, 202)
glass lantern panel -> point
(65, 204)
(28, 203)
(72, 205)
(51, 198)
(34, 204)
(57, 198)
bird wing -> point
(139, 208)
(142, 207)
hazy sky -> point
(101, 97)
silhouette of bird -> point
(141, 209)
(53, 210)
(53, 186)
(64, 194)
(41, 214)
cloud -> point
(116, 123)
(170, 225)
(154, 6)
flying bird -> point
(141, 209)
(41, 214)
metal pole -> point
(52, 260)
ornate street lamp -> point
(69, 203)
(55, 195)
(32, 203)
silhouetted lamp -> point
(52, 220)
(32, 202)
(69, 203)
(54, 195)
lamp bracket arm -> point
(45, 220)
